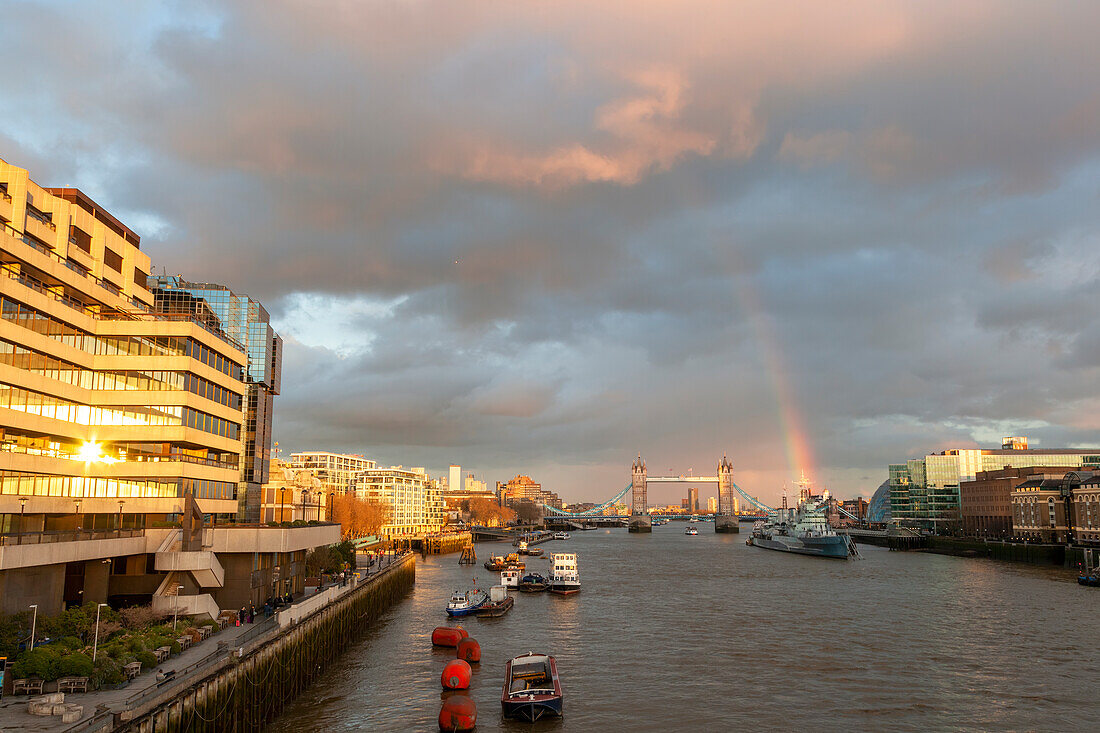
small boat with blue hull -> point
(532, 690)
(466, 603)
(533, 583)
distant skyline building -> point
(454, 477)
(524, 487)
(693, 500)
(712, 504)
(245, 320)
(927, 490)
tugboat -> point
(512, 562)
(802, 530)
(532, 689)
(533, 583)
(564, 579)
(464, 604)
(499, 603)
(691, 531)
(495, 562)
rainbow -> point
(800, 456)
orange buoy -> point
(458, 714)
(456, 675)
(469, 650)
(448, 635)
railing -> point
(137, 458)
(41, 217)
(45, 538)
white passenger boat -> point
(564, 579)
(510, 578)
(691, 530)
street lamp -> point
(120, 503)
(34, 624)
(282, 504)
(331, 494)
(176, 610)
(95, 645)
(22, 509)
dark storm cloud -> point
(543, 237)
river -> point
(675, 632)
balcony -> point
(51, 548)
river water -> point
(674, 632)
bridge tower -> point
(728, 505)
(640, 521)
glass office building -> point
(245, 320)
(926, 490)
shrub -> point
(107, 671)
(76, 664)
(71, 643)
(40, 662)
(148, 660)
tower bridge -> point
(725, 519)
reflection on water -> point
(673, 632)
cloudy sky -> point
(541, 237)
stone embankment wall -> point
(245, 693)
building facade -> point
(337, 472)
(692, 500)
(525, 488)
(986, 501)
(927, 490)
(120, 426)
(246, 321)
(416, 502)
(1058, 508)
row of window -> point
(16, 398)
(35, 320)
(81, 487)
(151, 380)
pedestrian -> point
(251, 613)
(242, 616)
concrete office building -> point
(120, 426)
(692, 505)
(247, 321)
(454, 478)
(926, 490)
(525, 488)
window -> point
(80, 238)
(141, 278)
(112, 259)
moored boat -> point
(499, 603)
(512, 562)
(561, 535)
(534, 551)
(691, 530)
(533, 583)
(532, 689)
(802, 530)
(564, 579)
(466, 603)
(510, 578)
(495, 562)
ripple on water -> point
(673, 632)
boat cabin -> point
(532, 675)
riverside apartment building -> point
(120, 427)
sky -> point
(543, 238)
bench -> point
(162, 653)
(184, 642)
(133, 669)
(27, 687)
(72, 684)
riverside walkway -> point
(102, 706)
